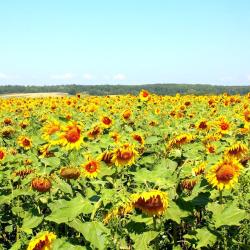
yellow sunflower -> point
(124, 155)
(42, 241)
(138, 137)
(50, 128)
(71, 137)
(224, 174)
(106, 121)
(238, 150)
(151, 203)
(91, 168)
(199, 170)
(180, 140)
(144, 95)
(106, 157)
(25, 142)
(2, 153)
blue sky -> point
(124, 42)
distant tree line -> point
(100, 90)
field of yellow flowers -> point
(125, 172)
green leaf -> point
(31, 221)
(64, 211)
(205, 238)
(62, 185)
(152, 140)
(94, 232)
(62, 244)
(53, 162)
(175, 213)
(226, 214)
(143, 240)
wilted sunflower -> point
(238, 150)
(124, 155)
(25, 142)
(106, 157)
(94, 132)
(224, 174)
(91, 168)
(42, 241)
(137, 137)
(71, 137)
(118, 211)
(153, 202)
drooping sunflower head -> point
(42, 241)
(91, 168)
(94, 132)
(70, 172)
(41, 184)
(238, 150)
(152, 203)
(202, 125)
(188, 183)
(124, 155)
(180, 140)
(224, 174)
(138, 137)
(106, 157)
(71, 137)
(199, 170)
(25, 142)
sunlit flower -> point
(210, 148)
(94, 132)
(180, 140)
(124, 155)
(71, 137)
(137, 137)
(126, 114)
(42, 241)
(144, 95)
(25, 142)
(151, 203)
(224, 174)
(106, 157)
(2, 153)
(238, 150)
(188, 183)
(91, 168)
(199, 170)
(106, 121)
(50, 128)
(224, 126)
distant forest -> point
(160, 89)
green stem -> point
(221, 197)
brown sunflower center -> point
(106, 120)
(153, 203)
(225, 173)
(2, 154)
(203, 125)
(91, 167)
(73, 135)
(145, 94)
(125, 155)
(26, 142)
(41, 244)
(224, 126)
(138, 138)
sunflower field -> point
(125, 172)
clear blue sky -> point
(124, 42)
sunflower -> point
(126, 114)
(94, 132)
(106, 121)
(91, 168)
(210, 148)
(50, 128)
(106, 157)
(25, 142)
(42, 241)
(118, 211)
(124, 155)
(137, 137)
(180, 140)
(224, 126)
(238, 150)
(188, 183)
(2, 153)
(71, 137)
(224, 174)
(144, 95)
(202, 125)
(199, 170)
(153, 202)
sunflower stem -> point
(155, 222)
(221, 197)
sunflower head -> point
(94, 132)
(50, 128)
(238, 150)
(126, 114)
(106, 121)
(180, 140)
(224, 174)
(188, 183)
(43, 241)
(124, 155)
(144, 95)
(2, 153)
(199, 170)
(91, 168)
(41, 184)
(152, 203)
(70, 172)
(106, 157)
(25, 142)
(137, 137)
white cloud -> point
(3, 76)
(119, 77)
(88, 76)
(66, 76)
